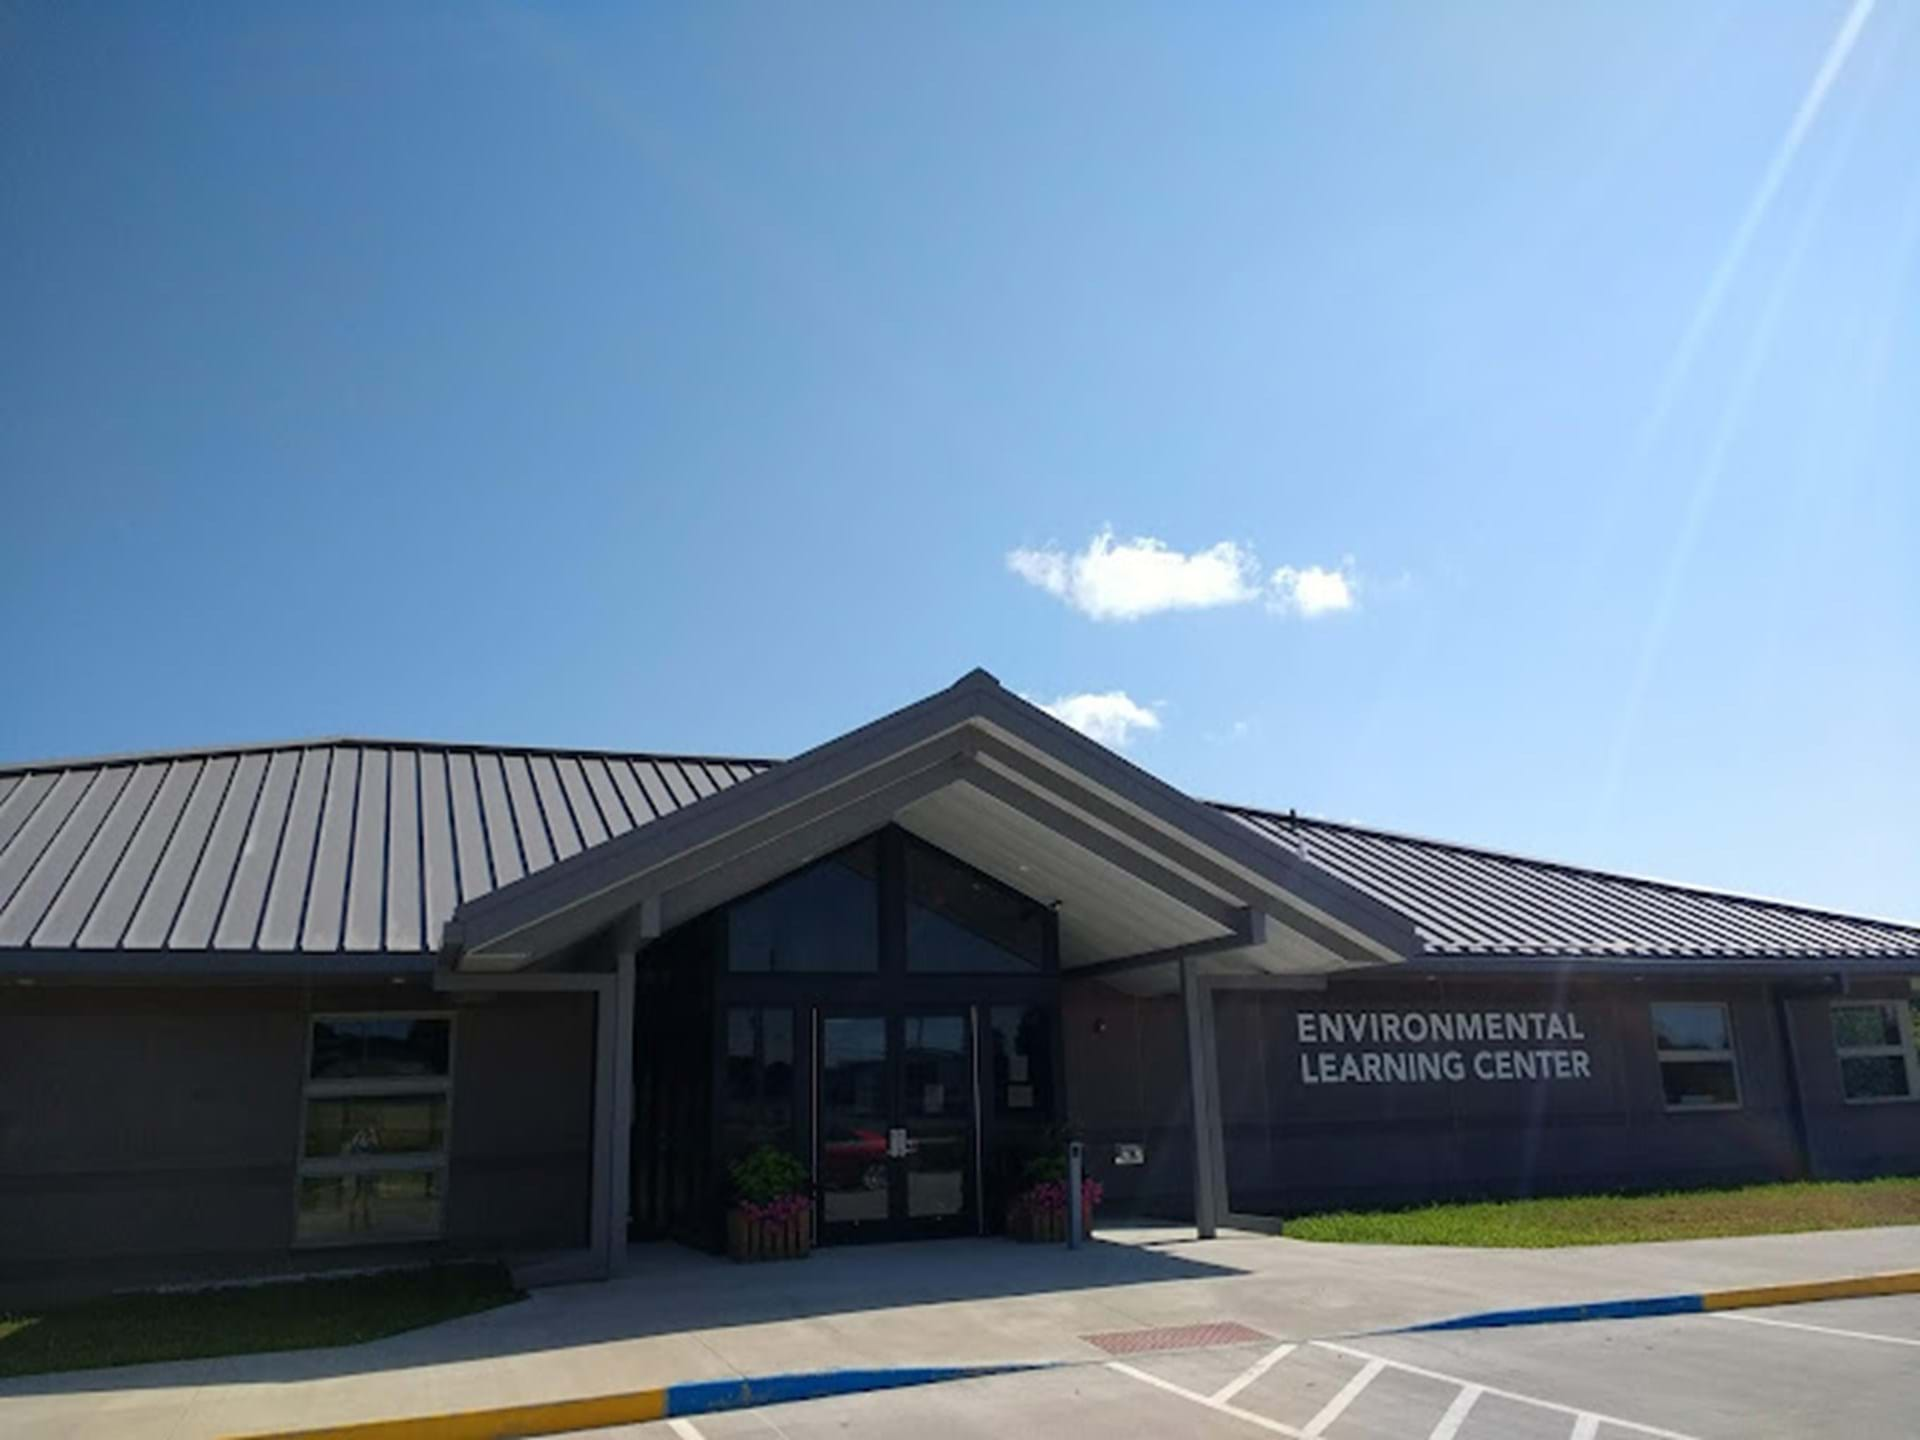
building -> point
(278, 1007)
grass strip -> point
(245, 1319)
(1623, 1219)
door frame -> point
(899, 1224)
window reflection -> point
(820, 920)
(960, 921)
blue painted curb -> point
(1562, 1314)
(704, 1397)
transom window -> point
(373, 1149)
(960, 921)
(824, 919)
(1874, 1040)
(1698, 1069)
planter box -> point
(789, 1239)
(1037, 1227)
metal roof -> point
(1465, 900)
(325, 847)
(347, 846)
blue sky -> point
(1489, 420)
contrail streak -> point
(1759, 347)
(1704, 314)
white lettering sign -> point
(1365, 1047)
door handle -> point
(897, 1145)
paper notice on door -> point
(1017, 1069)
(933, 1099)
(1019, 1097)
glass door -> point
(856, 1118)
(896, 1125)
(936, 1114)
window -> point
(1695, 1044)
(823, 919)
(1875, 1042)
(958, 920)
(757, 1103)
(1022, 1061)
(373, 1150)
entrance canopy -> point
(1141, 875)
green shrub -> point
(768, 1174)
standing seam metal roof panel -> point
(364, 927)
(403, 930)
(92, 872)
(139, 862)
(64, 852)
(333, 846)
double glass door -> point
(896, 1124)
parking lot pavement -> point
(1846, 1367)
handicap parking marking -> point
(1457, 1413)
(1450, 1423)
(1833, 1330)
(1225, 1407)
(1337, 1406)
(1586, 1423)
(1253, 1372)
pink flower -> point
(777, 1211)
(1049, 1197)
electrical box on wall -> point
(1129, 1154)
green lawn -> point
(240, 1320)
(1620, 1219)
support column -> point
(1201, 1063)
(600, 1209)
(621, 1160)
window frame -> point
(1731, 1056)
(329, 1167)
(1905, 1048)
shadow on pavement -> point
(671, 1290)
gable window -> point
(1694, 1040)
(1874, 1040)
(960, 921)
(373, 1149)
(821, 920)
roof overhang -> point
(1141, 873)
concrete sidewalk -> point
(684, 1316)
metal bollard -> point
(1076, 1220)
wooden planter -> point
(1037, 1227)
(789, 1239)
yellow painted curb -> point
(1859, 1287)
(507, 1420)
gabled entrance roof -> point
(1135, 867)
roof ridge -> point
(1571, 867)
(368, 742)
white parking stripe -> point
(1456, 1415)
(1573, 1410)
(1252, 1373)
(685, 1430)
(1121, 1367)
(1337, 1406)
(1820, 1329)
(1585, 1427)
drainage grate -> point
(1176, 1337)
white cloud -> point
(1128, 579)
(1310, 592)
(1111, 717)
(1124, 580)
